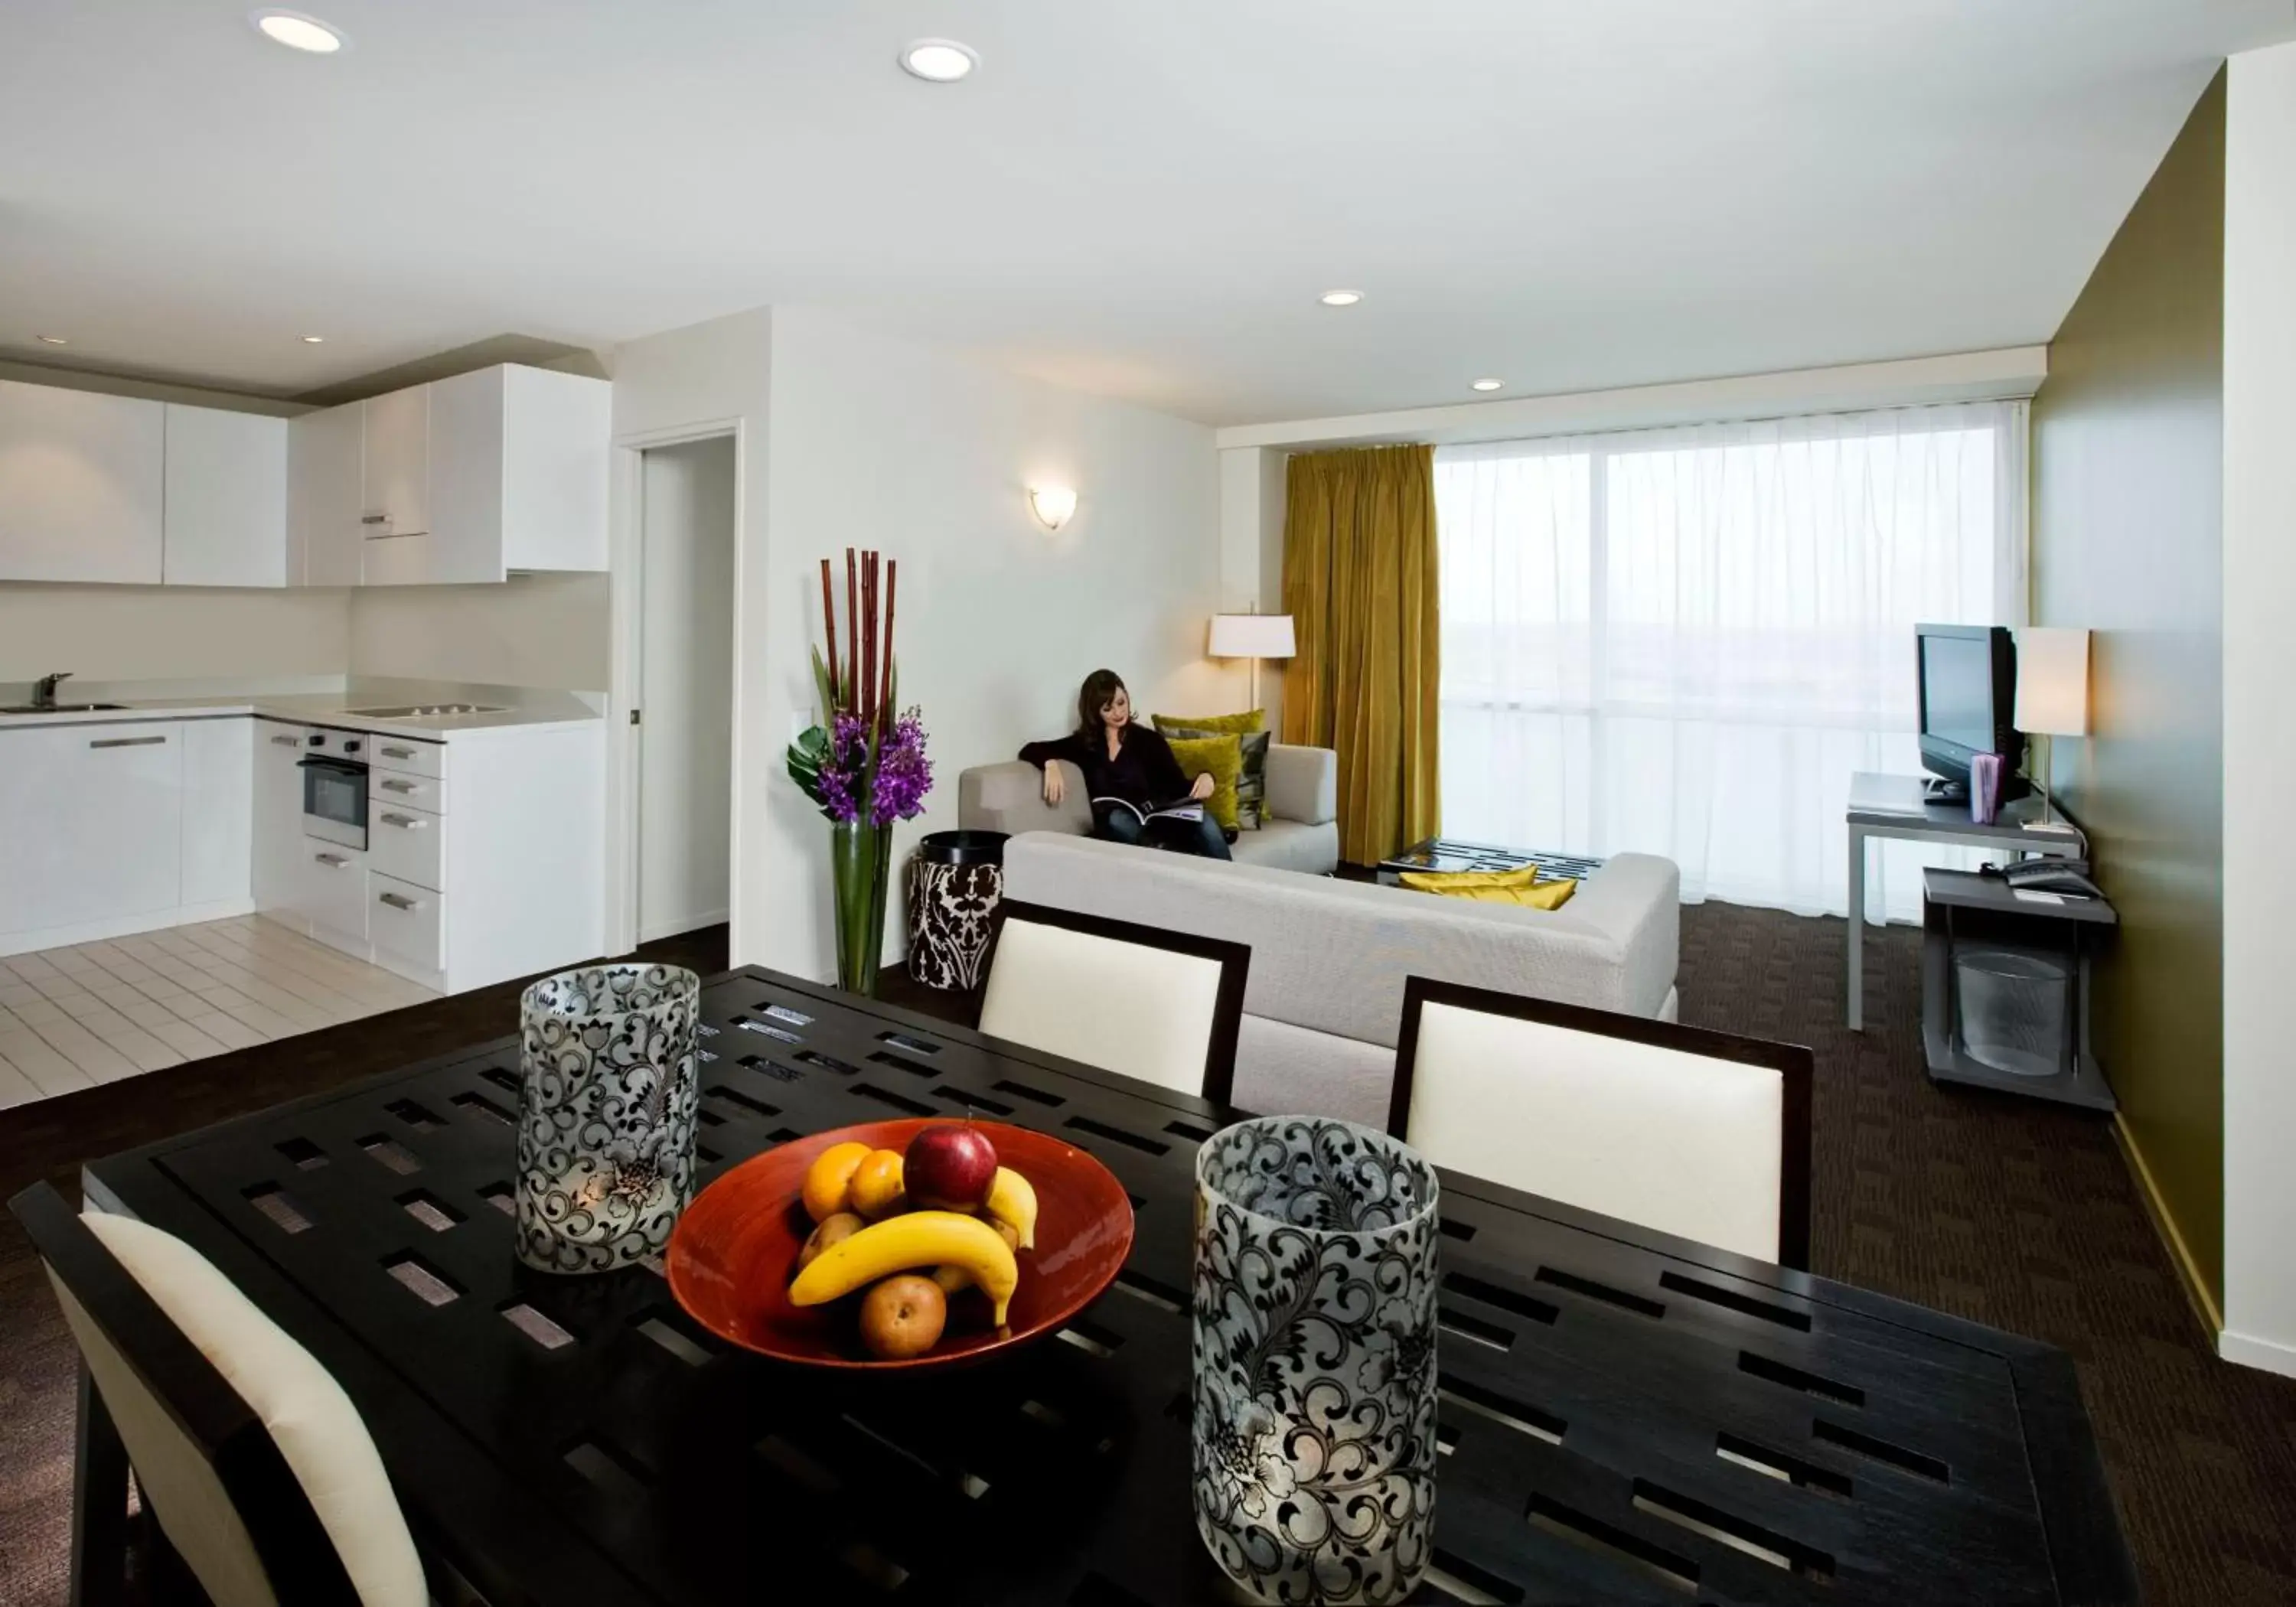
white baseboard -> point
(681, 923)
(123, 926)
(2269, 1355)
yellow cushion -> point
(1241, 724)
(1223, 757)
(1520, 886)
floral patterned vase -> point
(1314, 1360)
(605, 1114)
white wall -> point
(1251, 555)
(546, 630)
(928, 457)
(135, 633)
(2259, 722)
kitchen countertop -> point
(534, 711)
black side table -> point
(1961, 911)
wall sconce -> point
(1053, 504)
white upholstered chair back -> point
(1697, 1133)
(1162, 1006)
(319, 1435)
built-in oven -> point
(334, 788)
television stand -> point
(1899, 806)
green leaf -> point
(804, 758)
(821, 685)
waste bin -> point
(2015, 1010)
(954, 882)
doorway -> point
(684, 698)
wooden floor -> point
(95, 1013)
(2004, 1210)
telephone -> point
(2049, 875)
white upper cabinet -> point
(517, 480)
(397, 498)
(81, 485)
(327, 458)
(226, 517)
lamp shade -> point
(1253, 637)
(2053, 682)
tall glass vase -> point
(860, 858)
(1314, 1317)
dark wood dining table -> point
(1625, 1416)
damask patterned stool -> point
(953, 887)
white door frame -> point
(626, 562)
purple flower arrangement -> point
(865, 762)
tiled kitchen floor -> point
(73, 1017)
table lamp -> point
(1253, 636)
(2052, 689)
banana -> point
(921, 1239)
(1012, 1201)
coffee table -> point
(1449, 854)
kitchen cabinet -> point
(327, 458)
(82, 485)
(91, 827)
(224, 513)
(218, 811)
(331, 895)
(396, 475)
(276, 813)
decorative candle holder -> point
(1314, 1360)
(607, 1094)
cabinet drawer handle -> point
(400, 786)
(399, 753)
(333, 862)
(286, 742)
(406, 822)
(374, 519)
(397, 901)
(127, 741)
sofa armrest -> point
(1303, 783)
(1010, 798)
(1635, 901)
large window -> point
(1684, 641)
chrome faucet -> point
(44, 690)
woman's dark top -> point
(1144, 771)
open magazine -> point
(1183, 808)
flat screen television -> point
(1968, 681)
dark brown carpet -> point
(2003, 1210)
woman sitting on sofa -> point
(1134, 763)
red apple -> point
(949, 1167)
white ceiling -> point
(1140, 197)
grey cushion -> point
(1288, 845)
(1286, 1071)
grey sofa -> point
(1302, 832)
(1324, 998)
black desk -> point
(1613, 1399)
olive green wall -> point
(2129, 541)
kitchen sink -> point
(58, 707)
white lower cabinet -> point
(332, 895)
(407, 923)
(407, 843)
(218, 811)
(276, 813)
(91, 830)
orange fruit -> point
(830, 1176)
(877, 1183)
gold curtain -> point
(1359, 582)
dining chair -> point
(1162, 1006)
(259, 1470)
(1698, 1134)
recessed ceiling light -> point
(299, 32)
(1340, 297)
(1488, 385)
(314, 340)
(53, 339)
(938, 61)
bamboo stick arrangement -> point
(862, 684)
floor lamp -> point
(2052, 692)
(1253, 636)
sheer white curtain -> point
(1684, 641)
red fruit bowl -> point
(734, 1252)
